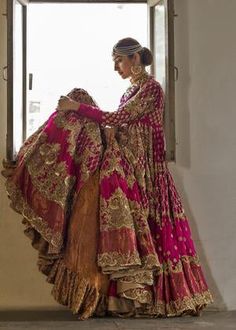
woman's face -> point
(122, 64)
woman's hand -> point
(66, 103)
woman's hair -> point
(145, 54)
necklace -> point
(140, 79)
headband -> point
(127, 50)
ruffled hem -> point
(85, 300)
(186, 306)
(69, 289)
(193, 306)
(179, 289)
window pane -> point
(159, 43)
(74, 50)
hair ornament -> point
(127, 50)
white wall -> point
(206, 156)
(205, 121)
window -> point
(16, 75)
(161, 34)
(77, 53)
(27, 103)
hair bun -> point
(146, 56)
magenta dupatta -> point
(52, 166)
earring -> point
(136, 69)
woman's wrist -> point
(65, 103)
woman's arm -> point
(148, 99)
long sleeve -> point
(148, 99)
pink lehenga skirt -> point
(97, 244)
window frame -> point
(10, 145)
(170, 68)
(169, 115)
(87, 1)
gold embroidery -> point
(140, 215)
(91, 136)
(141, 295)
(187, 305)
(116, 212)
(160, 167)
(49, 177)
(134, 276)
(31, 145)
(55, 239)
(82, 96)
(49, 152)
(170, 266)
(64, 120)
(90, 157)
(113, 261)
(150, 261)
(144, 100)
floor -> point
(50, 320)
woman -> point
(101, 206)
